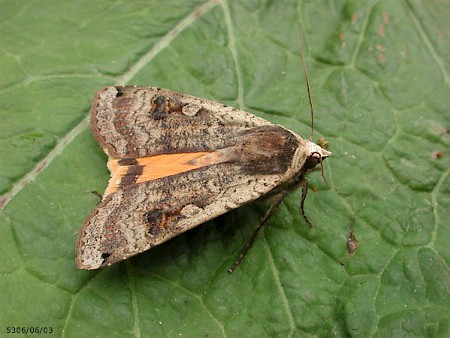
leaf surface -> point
(379, 73)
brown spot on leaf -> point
(386, 18)
(323, 143)
(352, 243)
(437, 154)
(382, 30)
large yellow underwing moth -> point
(177, 161)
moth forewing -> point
(177, 161)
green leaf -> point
(379, 73)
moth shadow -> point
(208, 246)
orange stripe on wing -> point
(159, 166)
(125, 172)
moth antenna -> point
(266, 217)
(307, 86)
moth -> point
(177, 161)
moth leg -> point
(304, 184)
(248, 245)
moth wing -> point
(140, 216)
(135, 122)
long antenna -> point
(307, 87)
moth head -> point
(316, 155)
